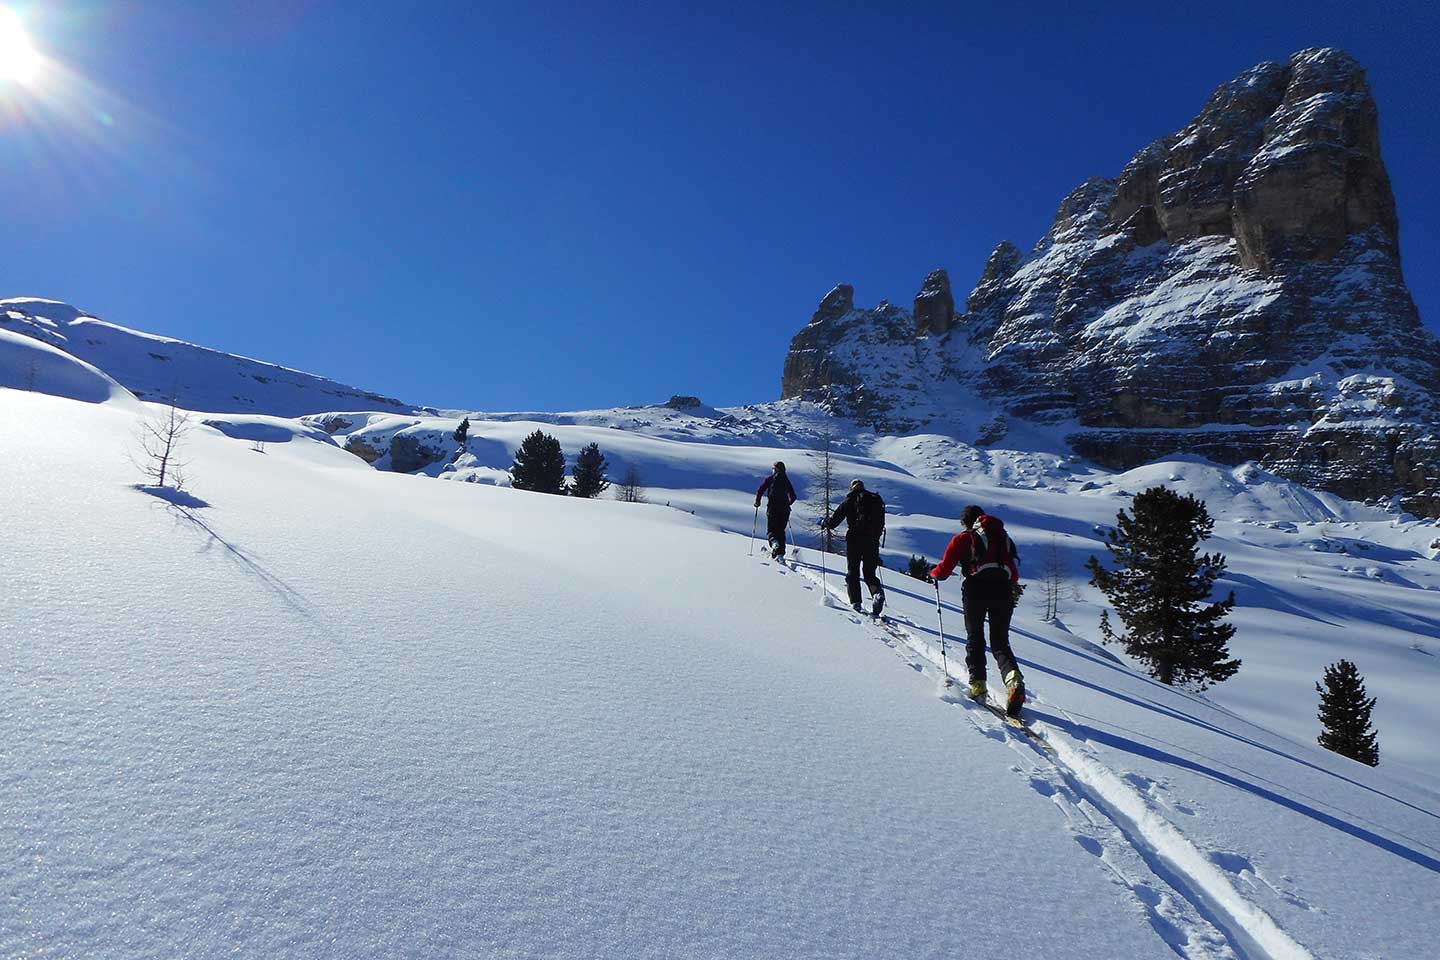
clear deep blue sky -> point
(552, 206)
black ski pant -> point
(862, 554)
(776, 520)
(987, 593)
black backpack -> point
(868, 517)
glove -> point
(935, 575)
(757, 503)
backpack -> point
(992, 546)
(868, 517)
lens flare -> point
(19, 61)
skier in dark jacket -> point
(987, 557)
(777, 513)
(865, 512)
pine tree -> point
(539, 465)
(1345, 714)
(919, 568)
(462, 433)
(1161, 587)
(588, 478)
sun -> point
(19, 62)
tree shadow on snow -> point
(177, 498)
(1115, 741)
(183, 509)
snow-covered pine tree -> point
(588, 479)
(1345, 714)
(462, 434)
(539, 465)
(1160, 588)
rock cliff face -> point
(1235, 292)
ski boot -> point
(977, 691)
(878, 604)
(1016, 685)
(856, 607)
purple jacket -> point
(778, 485)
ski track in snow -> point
(1185, 895)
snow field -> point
(314, 709)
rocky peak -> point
(934, 305)
(838, 302)
(1235, 292)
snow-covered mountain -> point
(313, 709)
(1234, 292)
(154, 368)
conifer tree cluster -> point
(540, 466)
(1345, 714)
(1161, 586)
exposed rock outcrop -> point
(1235, 292)
(934, 305)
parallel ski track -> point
(1207, 918)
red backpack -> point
(991, 545)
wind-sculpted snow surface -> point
(318, 709)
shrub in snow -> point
(588, 478)
(1160, 587)
(631, 489)
(539, 464)
(1345, 714)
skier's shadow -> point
(1083, 731)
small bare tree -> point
(30, 374)
(827, 487)
(1052, 581)
(630, 489)
(158, 443)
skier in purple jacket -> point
(777, 514)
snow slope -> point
(154, 368)
(1317, 577)
(314, 709)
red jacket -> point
(963, 546)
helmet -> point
(857, 484)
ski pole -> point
(940, 616)
(824, 556)
(753, 524)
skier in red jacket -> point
(987, 557)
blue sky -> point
(551, 206)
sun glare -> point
(19, 62)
